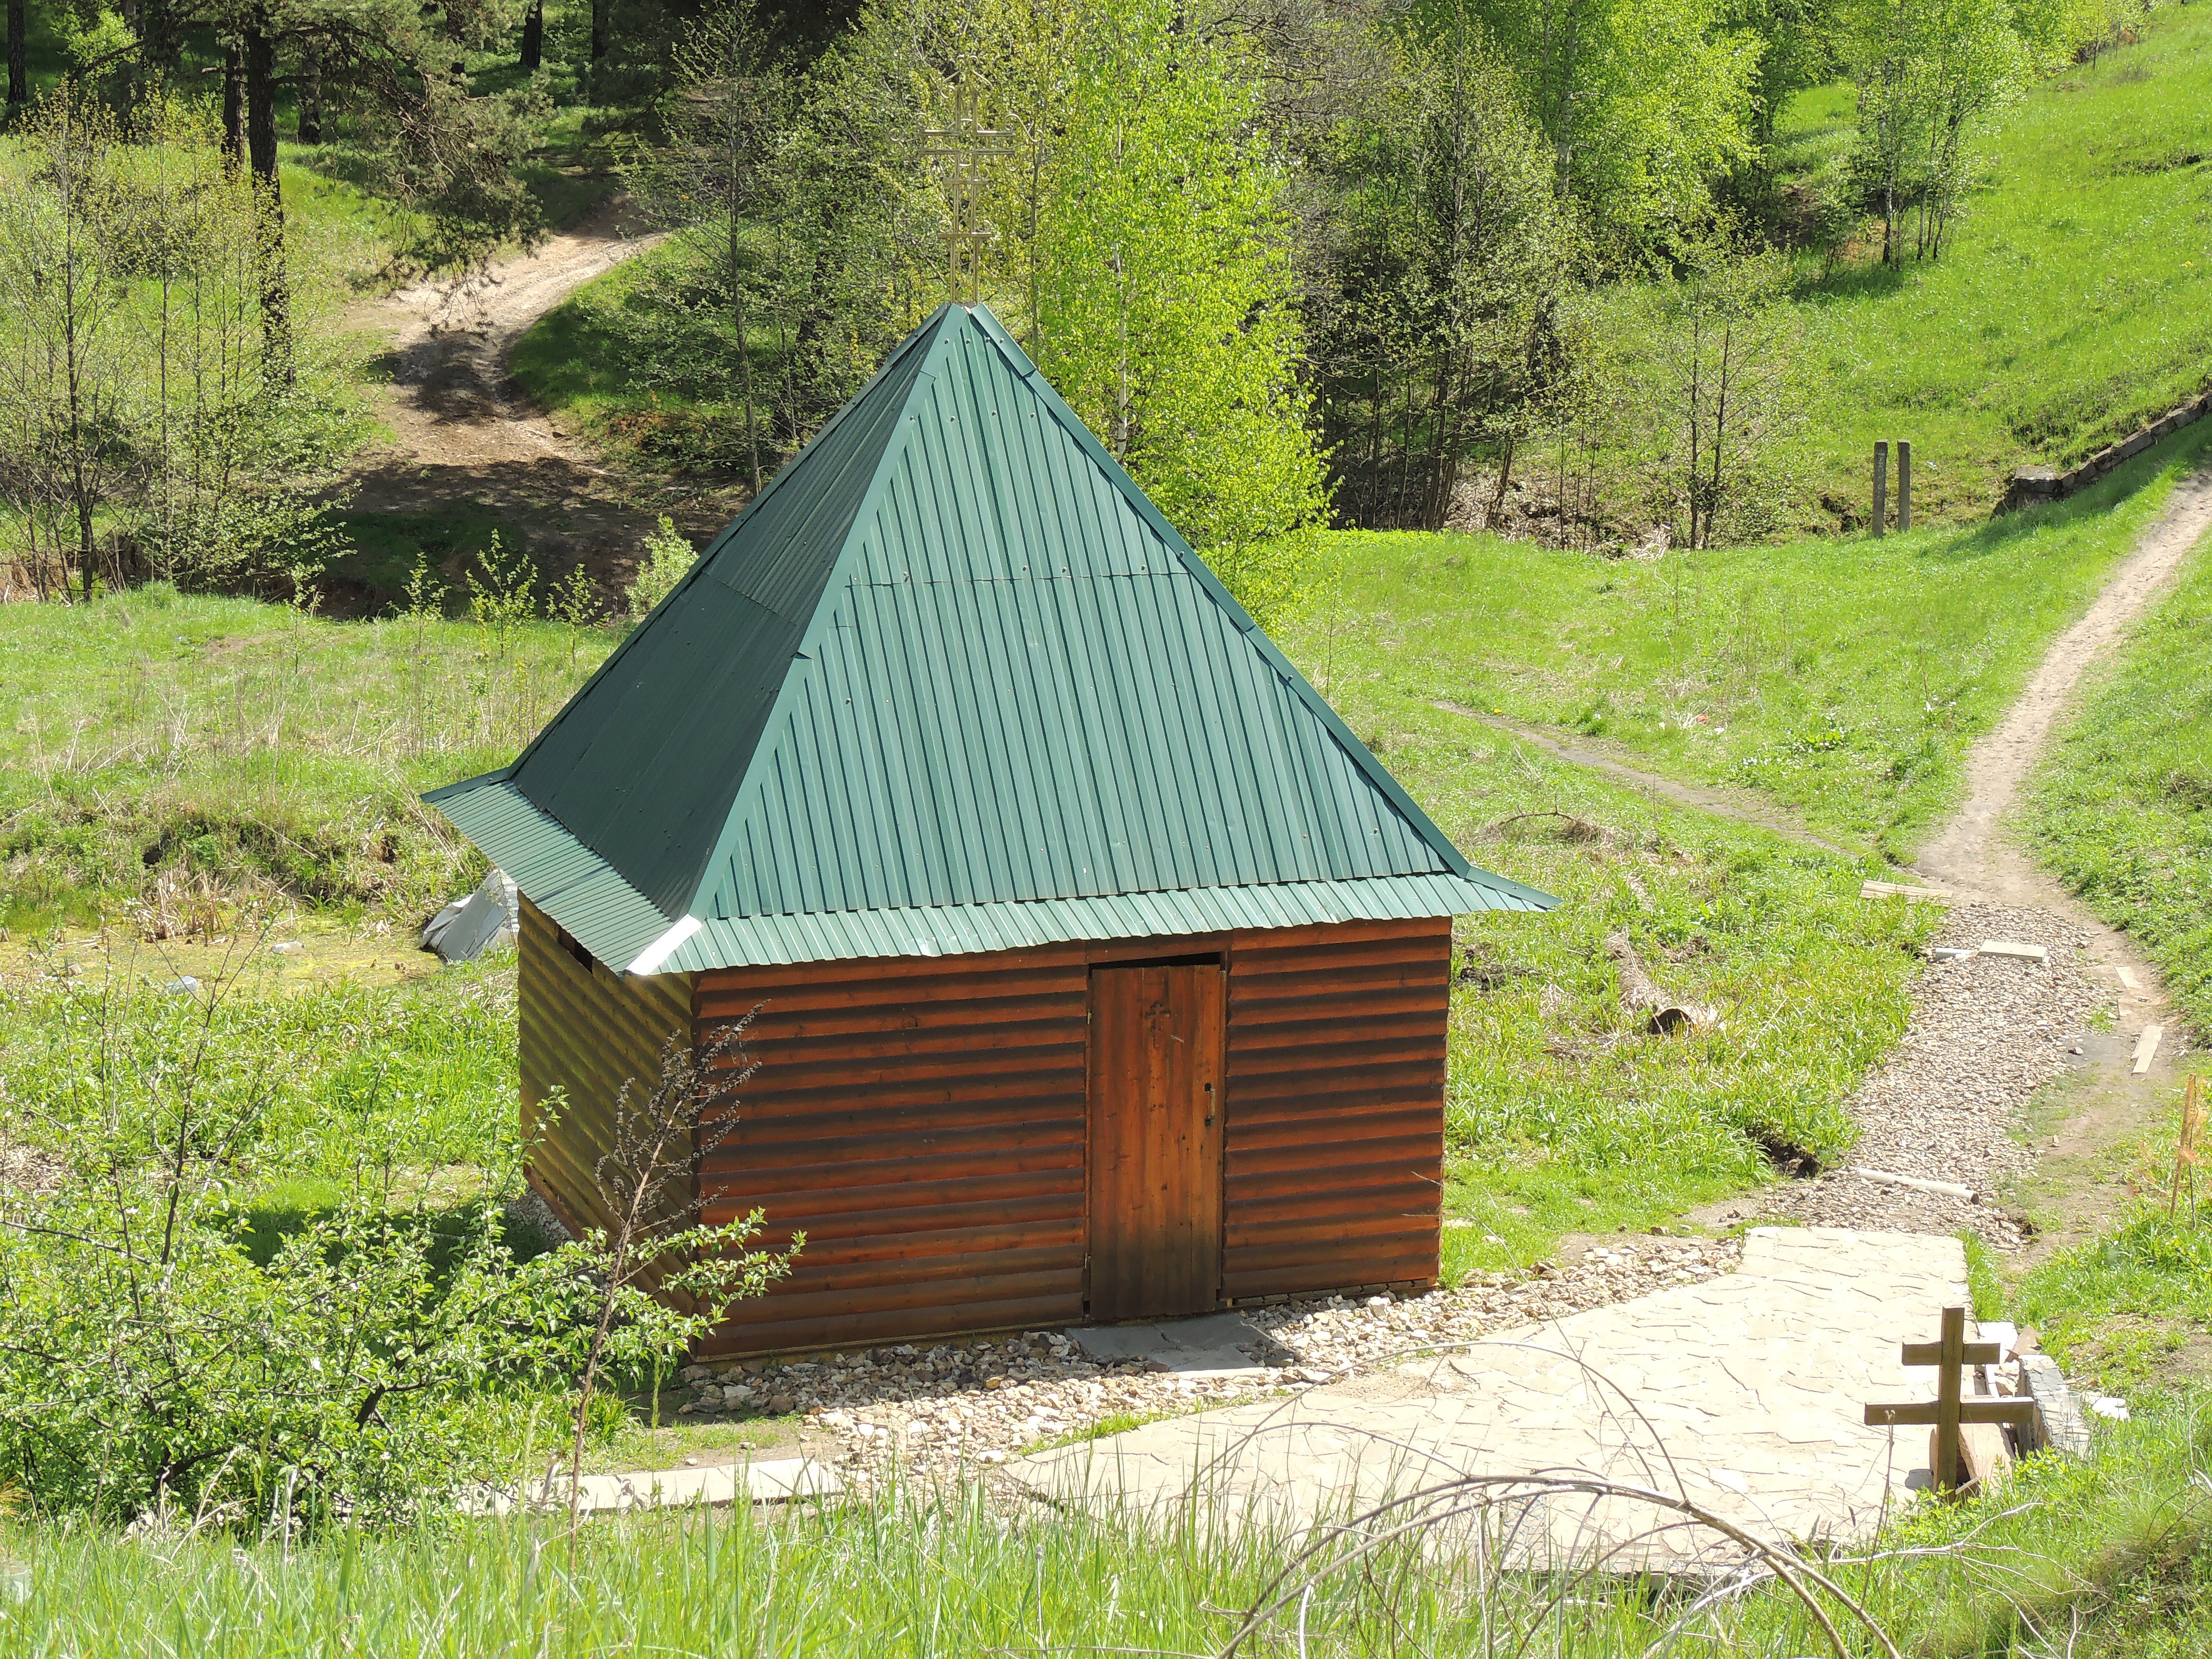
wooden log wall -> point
(586, 1029)
(1336, 1106)
(923, 1121)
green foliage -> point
(1161, 282)
(669, 557)
(728, 106)
(1643, 105)
(2122, 808)
(344, 1374)
(1930, 76)
(265, 1271)
(146, 434)
(502, 594)
(1450, 256)
(1727, 403)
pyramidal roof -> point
(951, 683)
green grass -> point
(2131, 1310)
(384, 548)
(2075, 304)
(2110, 1556)
(1844, 680)
(1562, 1116)
(240, 745)
(430, 1067)
(2122, 810)
(641, 362)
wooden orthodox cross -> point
(1949, 1354)
(965, 146)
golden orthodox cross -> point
(966, 146)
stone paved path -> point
(1743, 1394)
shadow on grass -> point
(290, 1208)
(2182, 450)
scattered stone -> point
(287, 947)
(2059, 1413)
(944, 1408)
(1894, 889)
(1943, 1106)
(1949, 1188)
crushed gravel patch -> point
(1986, 1033)
(948, 1408)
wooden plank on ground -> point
(1895, 890)
(2016, 951)
(2146, 1048)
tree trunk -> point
(233, 106)
(533, 36)
(19, 59)
(311, 95)
(267, 200)
(744, 346)
(600, 9)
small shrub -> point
(669, 557)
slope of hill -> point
(2075, 304)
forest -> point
(1299, 263)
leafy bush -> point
(669, 557)
(186, 1333)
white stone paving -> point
(1743, 1394)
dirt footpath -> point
(2016, 1077)
(463, 432)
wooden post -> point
(1881, 486)
(1949, 1367)
(1951, 1354)
(1904, 485)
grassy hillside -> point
(2076, 302)
(242, 750)
(1845, 679)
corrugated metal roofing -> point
(952, 676)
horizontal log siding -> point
(1336, 1106)
(922, 1121)
(589, 1031)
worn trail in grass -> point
(465, 438)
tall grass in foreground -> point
(2106, 1558)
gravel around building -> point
(931, 1410)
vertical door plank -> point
(1156, 1139)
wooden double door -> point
(1156, 1138)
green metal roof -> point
(952, 682)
